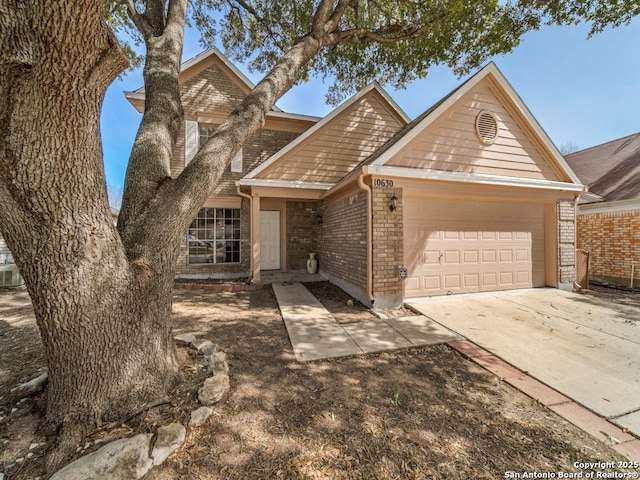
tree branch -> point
(140, 23)
(320, 17)
(261, 20)
(337, 14)
(191, 188)
(150, 161)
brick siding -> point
(566, 242)
(387, 242)
(302, 233)
(342, 241)
(613, 240)
(213, 91)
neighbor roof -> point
(612, 169)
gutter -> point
(367, 189)
(244, 195)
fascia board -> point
(482, 179)
(284, 184)
(610, 207)
(299, 140)
(293, 116)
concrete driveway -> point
(586, 348)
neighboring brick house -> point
(470, 196)
(608, 218)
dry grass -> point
(413, 414)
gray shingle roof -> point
(612, 170)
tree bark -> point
(103, 319)
(101, 294)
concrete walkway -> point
(315, 334)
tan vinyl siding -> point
(451, 144)
(334, 150)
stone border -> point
(586, 420)
(219, 287)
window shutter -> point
(190, 140)
(236, 162)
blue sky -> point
(581, 91)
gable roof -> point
(315, 132)
(377, 162)
(198, 63)
(612, 169)
(433, 113)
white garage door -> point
(460, 246)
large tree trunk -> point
(103, 318)
(102, 296)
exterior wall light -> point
(319, 219)
(394, 204)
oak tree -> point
(101, 293)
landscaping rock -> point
(168, 440)
(184, 339)
(214, 389)
(205, 347)
(123, 459)
(218, 363)
(32, 386)
(200, 416)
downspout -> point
(367, 189)
(244, 195)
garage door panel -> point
(451, 281)
(471, 256)
(432, 284)
(431, 257)
(469, 246)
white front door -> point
(269, 240)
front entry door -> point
(270, 240)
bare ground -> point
(411, 414)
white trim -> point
(299, 140)
(191, 140)
(420, 174)
(617, 206)
(223, 202)
(492, 70)
(236, 162)
(284, 184)
(293, 116)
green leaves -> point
(391, 41)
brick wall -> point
(566, 242)
(213, 91)
(613, 240)
(387, 243)
(302, 233)
(342, 241)
(210, 91)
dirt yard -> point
(412, 414)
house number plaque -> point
(382, 182)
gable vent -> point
(487, 127)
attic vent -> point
(487, 127)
